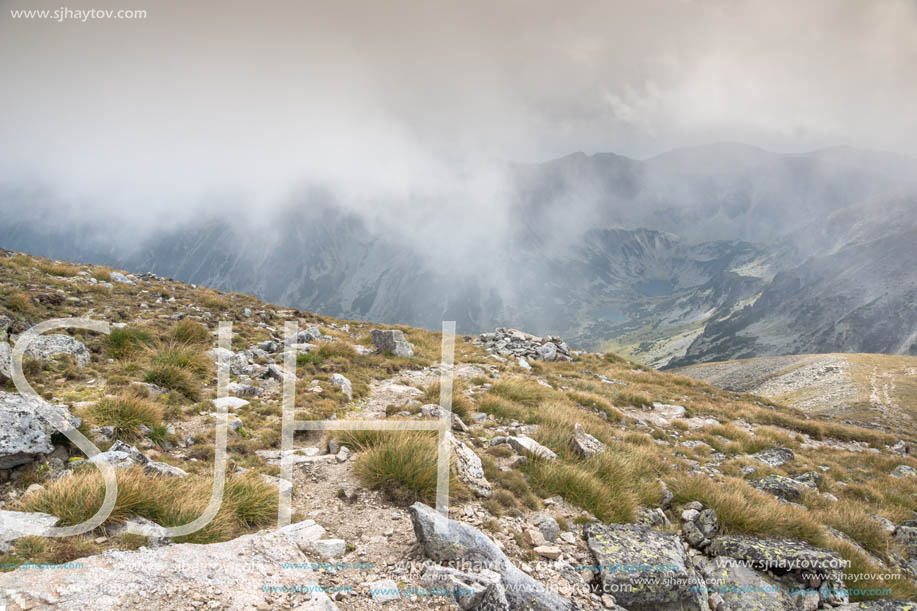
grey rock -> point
(244, 390)
(546, 525)
(45, 347)
(17, 524)
(157, 535)
(120, 278)
(774, 456)
(6, 360)
(781, 487)
(810, 478)
(392, 341)
(342, 383)
(168, 577)
(328, 548)
(904, 471)
(707, 523)
(481, 591)
(642, 587)
(468, 467)
(793, 558)
(547, 351)
(585, 444)
(742, 588)
(453, 542)
(384, 590)
(25, 434)
(527, 444)
(230, 403)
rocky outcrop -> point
(391, 341)
(227, 575)
(24, 435)
(520, 345)
(646, 569)
(448, 541)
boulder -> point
(585, 444)
(17, 524)
(774, 456)
(468, 467)
(451, 542)
(796, 562)
(24, 434)
(392, 341)
(781, 487)
(645, 569)
(45, 347)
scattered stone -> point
(343, 454)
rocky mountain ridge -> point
(698, 255)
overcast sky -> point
(241, 100)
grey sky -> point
(246, 101)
